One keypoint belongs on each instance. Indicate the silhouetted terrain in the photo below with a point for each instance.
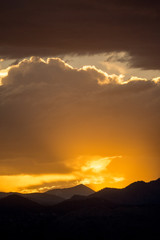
(15, 202)
(44, 198)
(54, 196)
(86, 217)
(69, 192)
(2, 194)
(136, 193)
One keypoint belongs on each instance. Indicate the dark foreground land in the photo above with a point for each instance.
(135, 214)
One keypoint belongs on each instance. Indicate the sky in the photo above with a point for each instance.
(79, 93)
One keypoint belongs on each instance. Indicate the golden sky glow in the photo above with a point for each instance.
(93, 172)
(96, 165)
(21, 182)
(63, 126)
(3, 73)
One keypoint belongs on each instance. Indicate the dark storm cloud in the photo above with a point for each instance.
(52, 113)
(47, 28)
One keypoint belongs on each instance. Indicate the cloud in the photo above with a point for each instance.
(33, 183)
(96, 165)
(52, 28)
(156, 80)
(52, 113)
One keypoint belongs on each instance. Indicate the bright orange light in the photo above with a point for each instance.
(21, 183)
(96, 165)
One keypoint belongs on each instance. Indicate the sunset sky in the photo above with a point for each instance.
(79, 93)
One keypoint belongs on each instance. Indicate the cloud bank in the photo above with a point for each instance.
(50, 28)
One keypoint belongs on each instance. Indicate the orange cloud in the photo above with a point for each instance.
(96, 165)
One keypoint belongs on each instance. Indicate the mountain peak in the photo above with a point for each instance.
(70, 192)
(17, 201)
(138, 192)
(136, 184)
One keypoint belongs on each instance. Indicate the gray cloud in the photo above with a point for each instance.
(49, 28)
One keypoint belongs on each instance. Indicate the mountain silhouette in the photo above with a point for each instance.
(129, 213)
(67, 193)
(136, 193)
(83, 205)
(3, 194)
(54, 196)
(44, 198)
(18, 203)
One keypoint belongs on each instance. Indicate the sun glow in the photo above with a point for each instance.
(21, 183)
(3, 73)
(97, 165)
(88, 170)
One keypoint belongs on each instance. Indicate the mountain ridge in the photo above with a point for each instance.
(67, 193)
(139, 192)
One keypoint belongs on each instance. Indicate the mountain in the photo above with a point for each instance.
(3, 194)
(44, 198)
(85, 217)
(82, 206)
(70, 192)
(53, 196)
(136, 193)
(16, 202)
(41, 198)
